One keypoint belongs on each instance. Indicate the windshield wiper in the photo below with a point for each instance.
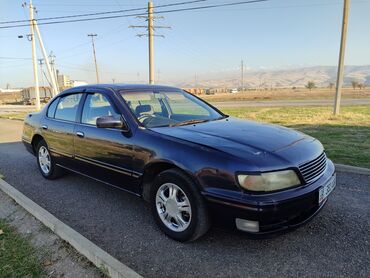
(221, 118)
(188, 122)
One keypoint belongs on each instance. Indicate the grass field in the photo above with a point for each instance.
(346, 138)
(17, 256)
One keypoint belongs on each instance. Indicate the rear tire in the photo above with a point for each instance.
(177, 206)
(46, 162)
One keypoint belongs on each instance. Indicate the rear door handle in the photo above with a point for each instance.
(45, 127)
(80, 134)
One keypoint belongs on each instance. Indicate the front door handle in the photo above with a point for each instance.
(44, 127)
(80, 134)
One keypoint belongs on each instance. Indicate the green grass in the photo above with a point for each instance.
(17, 256)
(346, 137)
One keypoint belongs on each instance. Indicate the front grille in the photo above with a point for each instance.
(313, 169)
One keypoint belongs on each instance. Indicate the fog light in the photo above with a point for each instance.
(247, 225)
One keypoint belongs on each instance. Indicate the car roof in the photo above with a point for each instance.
(118, 87)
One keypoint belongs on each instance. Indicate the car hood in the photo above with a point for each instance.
(242, 137)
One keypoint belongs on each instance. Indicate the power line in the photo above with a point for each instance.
(141, 14)
(102, 13)
(14, 58)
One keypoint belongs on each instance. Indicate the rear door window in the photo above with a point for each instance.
(96, 106)
(67, 107)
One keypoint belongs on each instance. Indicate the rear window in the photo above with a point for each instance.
(52, 108)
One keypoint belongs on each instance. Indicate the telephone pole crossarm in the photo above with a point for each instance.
(150, 29)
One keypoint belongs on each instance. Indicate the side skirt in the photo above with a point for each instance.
(107, 183)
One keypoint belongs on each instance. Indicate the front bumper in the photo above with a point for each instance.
(274, 212)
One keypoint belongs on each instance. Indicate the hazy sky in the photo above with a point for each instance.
(268, 35)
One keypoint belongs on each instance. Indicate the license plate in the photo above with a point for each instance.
(327, 189)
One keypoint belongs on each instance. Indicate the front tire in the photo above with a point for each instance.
(177, 206)
(46, 162)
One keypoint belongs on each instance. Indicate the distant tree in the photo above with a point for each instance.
(354, 84)
(331, 85)
(310, 85)
(361, 86)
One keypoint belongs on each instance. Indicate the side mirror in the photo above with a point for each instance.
(111, 122)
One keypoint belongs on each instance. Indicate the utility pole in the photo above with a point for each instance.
(51, 74)
(53, 69)
(34, 61)
(151, 42)
(150, 28)
(41, 62)
(96, 65)
(338, 92)
(242, 75)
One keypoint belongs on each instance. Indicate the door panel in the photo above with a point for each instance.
(59, 136)
(58, 128)
(103, 153)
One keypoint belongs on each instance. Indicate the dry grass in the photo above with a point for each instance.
(14, 116)
(349, 116)
(288, 94)
(10, 98)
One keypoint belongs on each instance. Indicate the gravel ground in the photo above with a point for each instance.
(334, 244)
(57, 257)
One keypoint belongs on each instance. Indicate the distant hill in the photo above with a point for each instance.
(298, 77)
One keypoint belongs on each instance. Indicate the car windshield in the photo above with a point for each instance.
(164, 109)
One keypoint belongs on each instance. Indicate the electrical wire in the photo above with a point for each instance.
(102, 13)
(14, 58)
(141, 14)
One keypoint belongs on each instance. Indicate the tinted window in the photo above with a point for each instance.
(137, 99)
(52, 108)
(67, 107)
(96, 105)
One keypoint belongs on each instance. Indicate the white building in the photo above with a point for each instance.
(75, 83)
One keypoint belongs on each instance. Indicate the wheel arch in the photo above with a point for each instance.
(36, 139)
(155, 168)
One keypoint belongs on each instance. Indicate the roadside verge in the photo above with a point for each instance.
(92, 252)
(352, 169)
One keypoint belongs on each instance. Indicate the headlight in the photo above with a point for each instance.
(269, 181)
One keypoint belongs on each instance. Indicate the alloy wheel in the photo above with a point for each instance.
(173, 207)
(44, 160)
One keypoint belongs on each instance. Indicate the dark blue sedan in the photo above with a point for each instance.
(192, 163)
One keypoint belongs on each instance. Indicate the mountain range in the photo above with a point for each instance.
(322, 76)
